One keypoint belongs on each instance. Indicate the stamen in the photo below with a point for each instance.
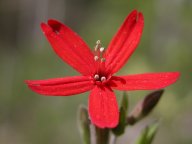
(96, 47)
(103, 78)
(98, 42)
(96, 58)
(102, 49)
(96, 77)
(99, 57)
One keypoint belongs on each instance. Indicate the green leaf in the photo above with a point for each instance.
(148, 134)
(143, 137)
(119, 130)
(124, 102)
(84, 125)
(151, 133)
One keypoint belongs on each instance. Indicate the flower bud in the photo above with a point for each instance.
(144, 107)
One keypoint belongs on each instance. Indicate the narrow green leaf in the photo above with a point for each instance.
(143, 137)
(152, 132)
(148, 134)
(84, 125)
(125, 102)
(119, 130)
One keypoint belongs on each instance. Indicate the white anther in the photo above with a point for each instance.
(102, 49)
(96, 77)
(96, 58)
(102, 59)
(98, 42)
(96, 47)
(103, 78)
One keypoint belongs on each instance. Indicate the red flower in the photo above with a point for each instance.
(98, 69)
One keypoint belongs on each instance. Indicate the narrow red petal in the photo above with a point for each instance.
(61, 86)
(125, 42)
(69, 46)
(103, 108)
(122, 34)
(57, 81)
(149, 81)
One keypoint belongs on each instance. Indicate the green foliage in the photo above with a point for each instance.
(148, 134)
(119, 130)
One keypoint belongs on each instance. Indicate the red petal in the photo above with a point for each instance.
(61, 86)
(103, 108)
(149, 81)
(124, 42)
(69, 46)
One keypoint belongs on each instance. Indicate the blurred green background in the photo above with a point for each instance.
(166, 45)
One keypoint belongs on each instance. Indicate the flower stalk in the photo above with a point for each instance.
(102, 135)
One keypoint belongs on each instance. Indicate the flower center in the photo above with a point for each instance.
(100, 78)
